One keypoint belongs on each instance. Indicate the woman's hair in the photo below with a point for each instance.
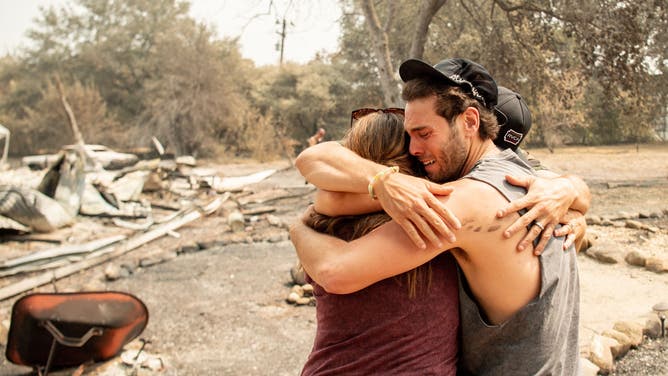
(379, 137)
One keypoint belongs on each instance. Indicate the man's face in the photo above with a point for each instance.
(440, 148)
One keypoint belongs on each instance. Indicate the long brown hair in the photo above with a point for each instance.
(379, 137)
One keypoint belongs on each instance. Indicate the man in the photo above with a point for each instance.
(519, 313)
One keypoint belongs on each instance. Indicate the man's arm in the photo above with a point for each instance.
(410, 201)
(344, 267)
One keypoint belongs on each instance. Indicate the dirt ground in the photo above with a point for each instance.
(223, 310)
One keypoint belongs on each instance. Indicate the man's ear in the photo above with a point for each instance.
(471, 121)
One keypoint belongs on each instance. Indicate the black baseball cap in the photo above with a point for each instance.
(466, 74)
(514, 119)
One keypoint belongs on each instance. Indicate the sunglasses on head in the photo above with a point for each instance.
(361, 112)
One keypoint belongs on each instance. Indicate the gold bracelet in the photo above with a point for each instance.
(377, 177)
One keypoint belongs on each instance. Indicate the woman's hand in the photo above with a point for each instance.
(548, 201)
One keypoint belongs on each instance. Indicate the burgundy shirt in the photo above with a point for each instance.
(380, 330)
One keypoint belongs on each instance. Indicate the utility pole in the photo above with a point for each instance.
(282, 43)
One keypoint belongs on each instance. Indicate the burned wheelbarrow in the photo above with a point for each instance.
(68, 329)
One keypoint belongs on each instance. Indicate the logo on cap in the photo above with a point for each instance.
(512, 137)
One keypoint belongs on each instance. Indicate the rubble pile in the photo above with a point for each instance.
(70, 213)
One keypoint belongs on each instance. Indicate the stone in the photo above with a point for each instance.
(293, 297)
(274, 220)
(587, 368)
(656, 214)
(112, 272)
(656, 264)
(605, 254)
(632, 330)
(637, 225)
(636, 258)
(298, 289)
(623, 342)
(593, 220)
(607, 222)
(600, 353)
(624, 215)
(652, 328)
(303, 301)
(644, 214)
(308, 289)
(298, 275)
(189, 248)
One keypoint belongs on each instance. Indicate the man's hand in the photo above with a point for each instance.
(411, 202)
(548, 200)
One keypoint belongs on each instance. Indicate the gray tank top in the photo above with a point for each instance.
(541, 338)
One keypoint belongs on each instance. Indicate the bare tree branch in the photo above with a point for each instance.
(78, 138)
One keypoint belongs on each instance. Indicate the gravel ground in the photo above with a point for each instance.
(650, 359)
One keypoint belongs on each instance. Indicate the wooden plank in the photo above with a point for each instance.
(68, 250)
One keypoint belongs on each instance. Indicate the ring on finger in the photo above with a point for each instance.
(539, 226)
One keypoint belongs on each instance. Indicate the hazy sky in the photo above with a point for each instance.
(312, 25)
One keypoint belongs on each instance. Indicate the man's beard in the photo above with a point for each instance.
(451, 160)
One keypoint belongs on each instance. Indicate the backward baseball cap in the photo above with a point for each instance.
(514, 119)
(472, 77)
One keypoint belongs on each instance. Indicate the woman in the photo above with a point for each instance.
(375, 330)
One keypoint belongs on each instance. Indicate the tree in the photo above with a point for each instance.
(155, 70)
(525, 45)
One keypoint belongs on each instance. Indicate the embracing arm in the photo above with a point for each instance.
(333, 167)
(333, 203)
(410, 201)
(548, 199)
(344, 267)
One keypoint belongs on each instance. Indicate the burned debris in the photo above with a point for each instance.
(75, 214)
